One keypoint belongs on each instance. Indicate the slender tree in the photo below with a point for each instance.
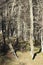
(42, 32)
(31, 29)
(18, 20)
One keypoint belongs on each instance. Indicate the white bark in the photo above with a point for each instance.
(11, 49)
(18, 21)
(12, 10)
(42, 34)
(31, 29)
(25, 28)
(41, 42)
(42, 27)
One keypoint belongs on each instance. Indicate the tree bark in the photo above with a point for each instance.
(31, 29)
(41, 42)
(18, 22)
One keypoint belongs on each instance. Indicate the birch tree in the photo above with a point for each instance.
(41, 9)
(18, 20)
(10, 44)
(31, 29)
(42, 34)
(25, 31)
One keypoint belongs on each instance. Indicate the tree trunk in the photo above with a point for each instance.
(25, 28)
(12, 10)
(42, 35)
(31, 29)
(12, 50)
(41, 42)
(18, 22)
(41, 4)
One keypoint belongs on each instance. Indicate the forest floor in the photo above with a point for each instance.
(24, 58)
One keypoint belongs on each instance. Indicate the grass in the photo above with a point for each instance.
(24, 58)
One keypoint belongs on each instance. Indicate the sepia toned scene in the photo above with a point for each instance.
(21, 32)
